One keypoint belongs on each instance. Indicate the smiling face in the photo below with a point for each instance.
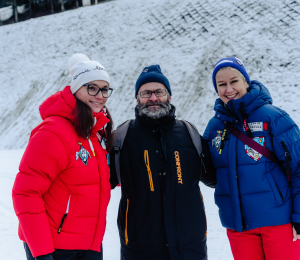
(230, 84)
(153, 106)
(96, 103)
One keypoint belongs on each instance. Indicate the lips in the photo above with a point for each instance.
(232, 96)
(95, 103)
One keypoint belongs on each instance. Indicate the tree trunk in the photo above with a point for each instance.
(96, 2)
(62, 5)
(30, 9)
(52, 7)
(15, 10)
(77, 4)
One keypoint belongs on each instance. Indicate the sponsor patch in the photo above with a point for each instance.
(216, 142)
(255, 126)
(83, 154)
(252, 153)
(178, 166)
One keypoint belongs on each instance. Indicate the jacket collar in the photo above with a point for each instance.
(238, 109)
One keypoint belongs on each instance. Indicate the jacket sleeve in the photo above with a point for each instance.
(44, 158)
(113, 174)
(208, 170)
(284, 129)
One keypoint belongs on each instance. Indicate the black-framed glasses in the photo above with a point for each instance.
(148, 93)
(93, 90)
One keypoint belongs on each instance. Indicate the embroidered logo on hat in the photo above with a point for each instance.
(239, 61)
(145, 70)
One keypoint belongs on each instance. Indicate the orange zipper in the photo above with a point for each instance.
(146, 158)
(126, 235)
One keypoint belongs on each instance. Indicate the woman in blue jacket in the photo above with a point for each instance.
(258, 198)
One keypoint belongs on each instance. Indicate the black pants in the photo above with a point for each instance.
(60, 254)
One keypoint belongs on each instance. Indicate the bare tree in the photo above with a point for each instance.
(15, 10)
(62, 5)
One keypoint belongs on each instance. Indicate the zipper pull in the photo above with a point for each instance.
(61, 223)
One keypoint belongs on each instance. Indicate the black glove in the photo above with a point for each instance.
(297, 227)
(45, 257)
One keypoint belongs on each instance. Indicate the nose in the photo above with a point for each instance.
(229, 88)
(99, 95)
(153, 98)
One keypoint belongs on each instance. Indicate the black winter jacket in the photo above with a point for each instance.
(161, 212)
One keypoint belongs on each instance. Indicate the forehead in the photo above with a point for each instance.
(228, 73)
(99, 83)
(152, 86)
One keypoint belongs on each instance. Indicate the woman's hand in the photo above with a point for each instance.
(296, 231)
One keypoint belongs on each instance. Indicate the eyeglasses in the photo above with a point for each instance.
(148, 93)
(93, 90)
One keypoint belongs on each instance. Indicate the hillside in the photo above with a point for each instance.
(185, 37)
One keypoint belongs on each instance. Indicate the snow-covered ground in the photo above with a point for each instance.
(12, 247)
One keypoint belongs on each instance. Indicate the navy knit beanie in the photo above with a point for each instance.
(152, 74)
(230, 62)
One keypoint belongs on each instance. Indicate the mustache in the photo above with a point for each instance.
(156, 103)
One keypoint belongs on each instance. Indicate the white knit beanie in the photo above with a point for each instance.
(83, 70)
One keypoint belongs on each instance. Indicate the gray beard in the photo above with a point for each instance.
(154, 113)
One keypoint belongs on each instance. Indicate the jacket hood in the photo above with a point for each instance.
(256, 96)
(60, 104)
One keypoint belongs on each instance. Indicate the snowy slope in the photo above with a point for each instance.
(185, 37)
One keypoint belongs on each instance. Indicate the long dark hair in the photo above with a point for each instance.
(84, 121)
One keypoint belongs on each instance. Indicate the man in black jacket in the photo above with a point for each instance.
(161, 213)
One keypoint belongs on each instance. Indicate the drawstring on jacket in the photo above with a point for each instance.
(245, 123)
(90, 142)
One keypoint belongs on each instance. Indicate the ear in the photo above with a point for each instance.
(170, 97)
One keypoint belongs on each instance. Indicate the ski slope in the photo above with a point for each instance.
(185, 37)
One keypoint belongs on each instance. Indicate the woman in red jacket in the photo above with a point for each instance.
(62, 191)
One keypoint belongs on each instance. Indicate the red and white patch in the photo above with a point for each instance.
(251, 152)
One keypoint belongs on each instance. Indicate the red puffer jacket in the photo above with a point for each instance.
(59, 174)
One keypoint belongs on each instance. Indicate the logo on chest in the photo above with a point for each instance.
(216, 142)
(256, 127)
(82, 154)
(251, 152)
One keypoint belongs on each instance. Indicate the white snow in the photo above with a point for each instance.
(185, 37)
(12, 247)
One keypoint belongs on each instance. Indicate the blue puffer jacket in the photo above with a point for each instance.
(253, 191)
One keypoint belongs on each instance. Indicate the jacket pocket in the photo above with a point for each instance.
(277, 194)
(64, 216)
(126, 235)
(146, 158)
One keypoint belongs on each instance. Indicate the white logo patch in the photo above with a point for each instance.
(255, 126)
(145, 70)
